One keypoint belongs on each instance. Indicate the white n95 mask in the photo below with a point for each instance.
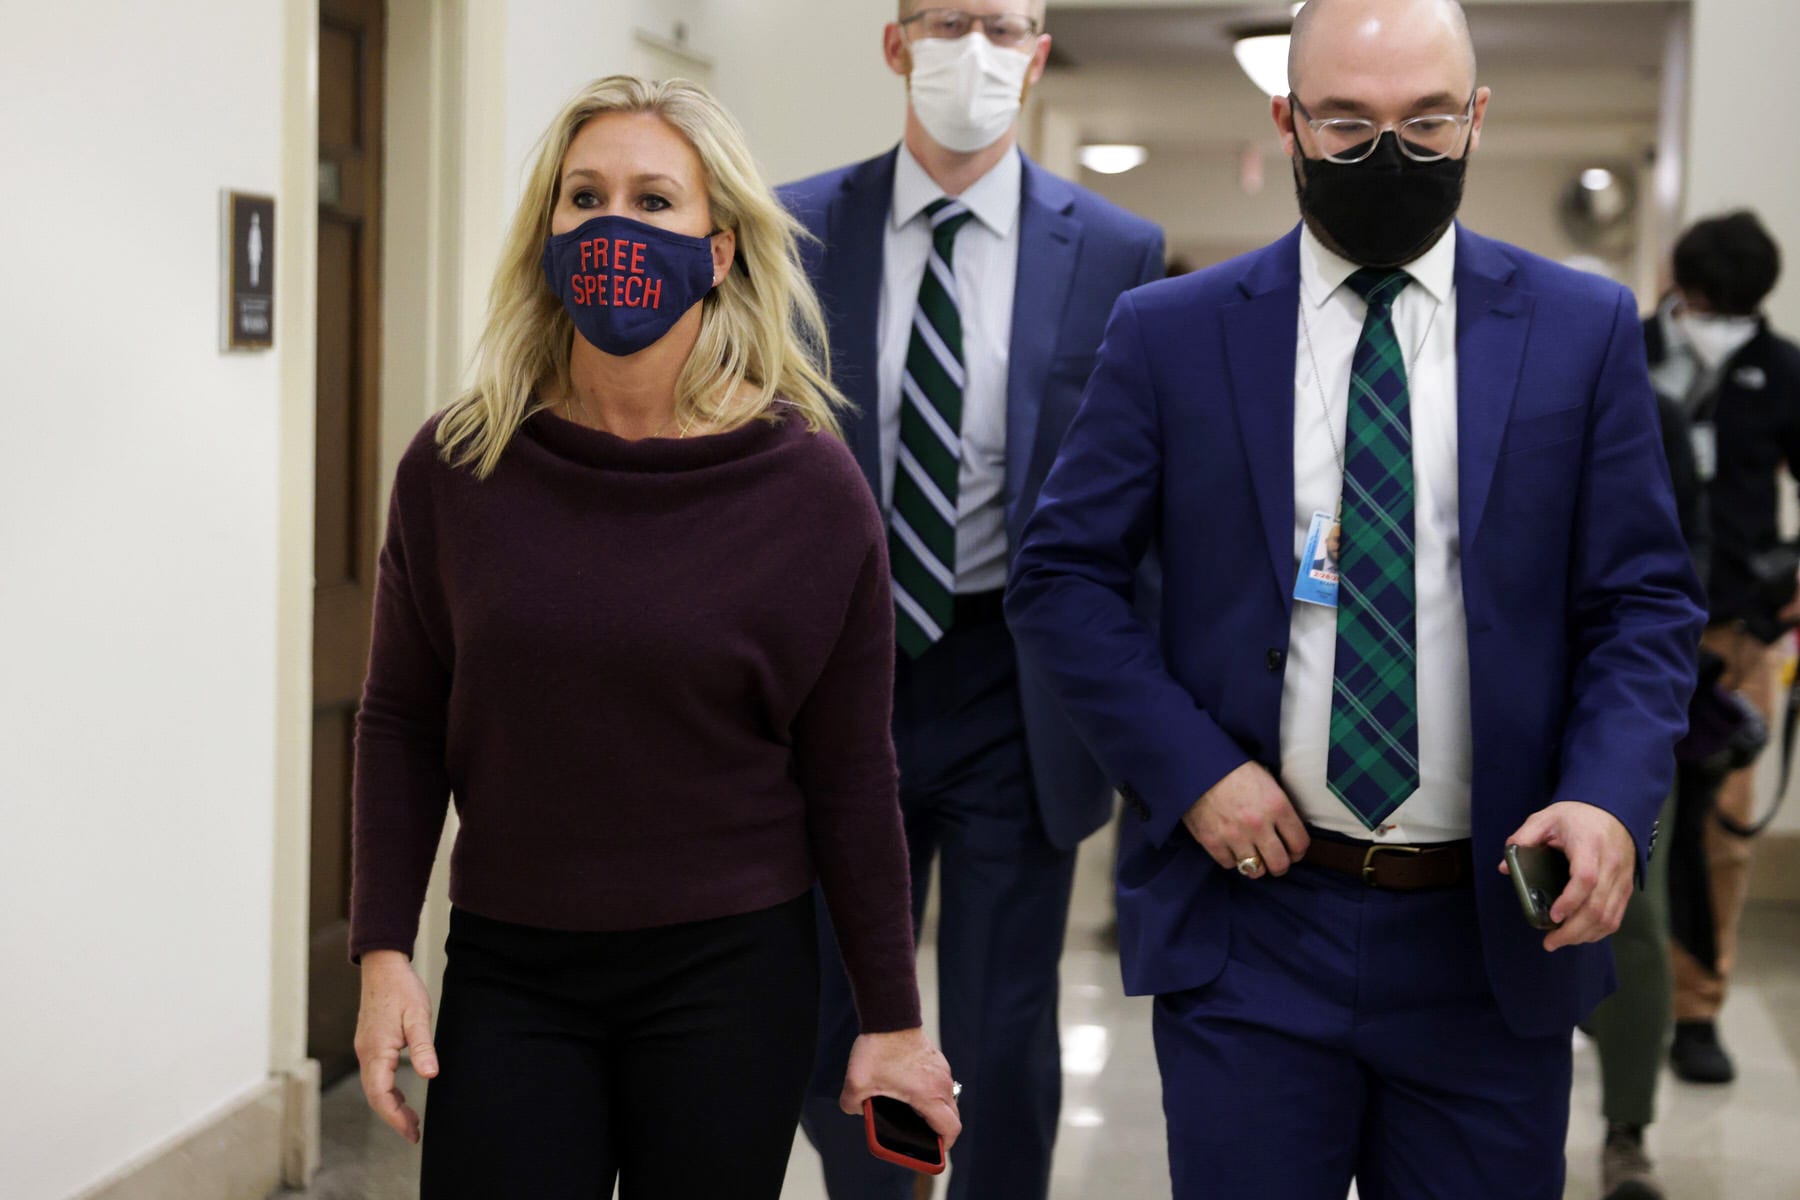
(1715, 339)
(967, 92)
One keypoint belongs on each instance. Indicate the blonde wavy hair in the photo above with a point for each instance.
(761, 329)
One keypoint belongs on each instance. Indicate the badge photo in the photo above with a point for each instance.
(1318, 581)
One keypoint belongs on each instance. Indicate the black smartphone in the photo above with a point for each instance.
(1539, 875)
(898, 1134)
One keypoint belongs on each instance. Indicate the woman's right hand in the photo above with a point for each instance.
(395, 1014)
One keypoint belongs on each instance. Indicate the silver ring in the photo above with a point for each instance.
(1250, 865)
(955, 1090)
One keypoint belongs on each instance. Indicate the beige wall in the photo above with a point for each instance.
(805, 79)
(1743, 88)
(138, 532)
(553, 47)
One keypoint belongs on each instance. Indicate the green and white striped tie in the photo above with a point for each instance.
(922, 524)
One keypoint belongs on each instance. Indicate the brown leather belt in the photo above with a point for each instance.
(1394, 868)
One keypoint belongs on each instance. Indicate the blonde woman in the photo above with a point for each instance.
(634, 613)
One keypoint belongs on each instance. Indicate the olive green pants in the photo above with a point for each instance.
(1632, 1027)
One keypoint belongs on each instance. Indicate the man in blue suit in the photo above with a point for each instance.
(1327, 764)
(967, 290)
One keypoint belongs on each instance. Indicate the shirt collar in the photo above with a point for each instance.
(994, 198)
(1323, 272)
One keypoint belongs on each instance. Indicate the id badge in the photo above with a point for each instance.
(1705, 439)
(1318, 582)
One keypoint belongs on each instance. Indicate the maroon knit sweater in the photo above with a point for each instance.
(657, 677)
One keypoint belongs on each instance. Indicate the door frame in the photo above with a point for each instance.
(445, 129)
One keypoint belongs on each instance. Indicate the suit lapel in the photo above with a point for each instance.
(1049, 243)
(1493, 322)
(850, 286)
(1260, 342)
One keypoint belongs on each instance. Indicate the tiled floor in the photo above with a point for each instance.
(1736, 1143)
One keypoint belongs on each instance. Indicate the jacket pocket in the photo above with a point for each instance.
(1534, 433)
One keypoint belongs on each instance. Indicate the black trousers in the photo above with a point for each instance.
(671, 1060)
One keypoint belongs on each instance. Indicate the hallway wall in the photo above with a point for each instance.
(853, 107)
(137, 595)
(809, 83)
(1742, 81)
(554, 47)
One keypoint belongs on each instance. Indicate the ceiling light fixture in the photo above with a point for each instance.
(1263, 55)
(1111, 159)
(1262, 51)
(1596, 179)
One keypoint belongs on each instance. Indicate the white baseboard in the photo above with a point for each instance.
(268, 1140)
(300, 1128)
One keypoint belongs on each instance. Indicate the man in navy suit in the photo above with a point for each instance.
(967, 290)
(1327, 771)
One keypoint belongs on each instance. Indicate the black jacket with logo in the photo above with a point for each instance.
(1756, 413)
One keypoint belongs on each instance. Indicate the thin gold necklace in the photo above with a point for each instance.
(578, 415)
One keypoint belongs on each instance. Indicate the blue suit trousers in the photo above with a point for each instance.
(966, 792)
(1353, 1034)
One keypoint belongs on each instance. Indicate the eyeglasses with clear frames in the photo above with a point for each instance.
(1422, 139)
(1010, 31)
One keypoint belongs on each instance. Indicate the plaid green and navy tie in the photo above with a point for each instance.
(922, 524)
(1374, 760)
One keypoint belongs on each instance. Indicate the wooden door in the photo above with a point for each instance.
(351, 38)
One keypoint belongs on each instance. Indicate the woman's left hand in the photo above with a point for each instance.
(906, 1066)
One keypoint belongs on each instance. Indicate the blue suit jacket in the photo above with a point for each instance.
(1077, 255)
(1583, 612)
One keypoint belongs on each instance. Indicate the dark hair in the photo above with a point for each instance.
(1729, 261)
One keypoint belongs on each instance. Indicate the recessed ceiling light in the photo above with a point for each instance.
(1596, 179)
(1263, 54)
(1111, 159)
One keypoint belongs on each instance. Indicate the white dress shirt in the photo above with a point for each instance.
(1425, 324)
(986, 262)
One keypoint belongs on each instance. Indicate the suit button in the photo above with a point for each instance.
(1275, 659)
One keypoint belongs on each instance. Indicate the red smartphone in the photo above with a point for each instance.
(899, 1135)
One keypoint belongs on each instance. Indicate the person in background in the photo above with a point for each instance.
(1631, 1027)
(967, 289)
(587, 629)
(1326, 774)
(1713, 354)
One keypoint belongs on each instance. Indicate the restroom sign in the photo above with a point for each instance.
(249, 260)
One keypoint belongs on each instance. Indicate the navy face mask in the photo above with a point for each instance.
(625, 283)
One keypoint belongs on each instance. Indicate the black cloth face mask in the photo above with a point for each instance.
(1384, 211)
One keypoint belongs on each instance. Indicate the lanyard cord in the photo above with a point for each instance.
(1325, 404)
